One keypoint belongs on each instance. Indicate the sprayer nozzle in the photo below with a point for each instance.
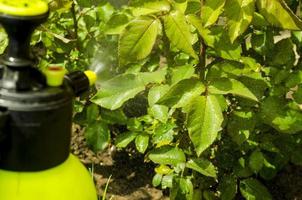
(92, 77)
(55, 76)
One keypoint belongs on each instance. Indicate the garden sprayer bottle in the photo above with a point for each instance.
(36, 116)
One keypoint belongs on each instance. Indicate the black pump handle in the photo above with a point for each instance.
(19, 30)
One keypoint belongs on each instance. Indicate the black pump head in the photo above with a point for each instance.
(19, 30)
(19, 19)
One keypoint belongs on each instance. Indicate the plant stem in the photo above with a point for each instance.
(201, 5)
(75, 22)
(201, 67)
(166, 46)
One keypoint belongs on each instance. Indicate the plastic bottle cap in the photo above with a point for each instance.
(55, 76)
(92, 77)
(23, 7)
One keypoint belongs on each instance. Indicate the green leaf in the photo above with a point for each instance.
(167, 181)
(138, 39)
(92, 113)
(228, 188)
(240, 14)
(153, 77)
(204, 119)
(86, 3)
(118, 90)
(277, 13)
(259, 21)
(124, 139)
(178, 32)
(211, 11)
(115, 92)
(156, 93)
(202, 166)
(160, 112)
(180, 94)
(151, 7)
(163, 134)
(252, 189)
(276, 113)
(298, 95)
(167, 155)
(181, 5)
(182, 189)
(217, 38)
(157, 180)
(193, 7)
(116, 24)
(263, 42)
(97, 136)
(296, 37)
(231, 86)
(209, 195)
(113, 117)
(241, 169)
(256, 161)
(294, 80)
(181, 73)
(142, 142)
(135, 125)
(241, 125)
(282, 54)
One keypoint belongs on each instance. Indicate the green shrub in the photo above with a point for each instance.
(208, 90)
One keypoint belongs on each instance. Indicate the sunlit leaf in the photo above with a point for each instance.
(182, 189)
(167, 155)
(217, 38)
(181, 73)
(180, 94)
(116, 24)
(138, 39)
(240, 14)
(156, 93)
(150, 7)
(160, 112)
(204, 119)
(211, 11)
(124, 139)
(142, 142)
(202, 166)
(277, 13)
(178, 32)
(231, 86)
(115, 92)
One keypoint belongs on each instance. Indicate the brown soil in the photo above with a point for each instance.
(287, 185)
(130, 177)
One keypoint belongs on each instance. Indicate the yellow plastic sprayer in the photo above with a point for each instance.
(36, 116)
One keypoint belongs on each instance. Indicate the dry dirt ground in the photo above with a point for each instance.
(130, 177)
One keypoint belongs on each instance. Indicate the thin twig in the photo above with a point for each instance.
(201, 67)
(75, 22)
(202, 59)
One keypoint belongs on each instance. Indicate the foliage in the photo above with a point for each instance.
(209, 90)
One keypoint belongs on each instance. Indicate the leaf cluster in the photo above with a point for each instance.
(209, 91)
